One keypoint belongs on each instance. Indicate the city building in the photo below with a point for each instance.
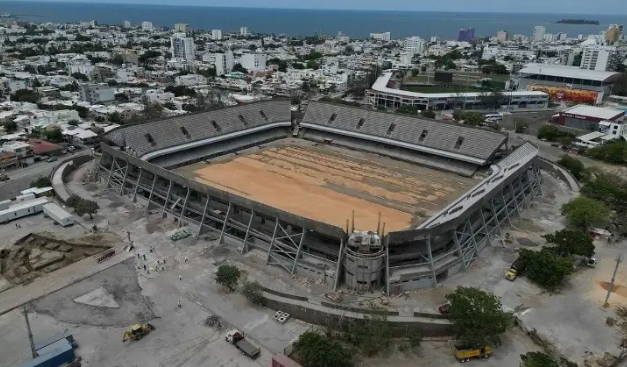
(538, 33)
(223, 62)
(601, 58)
(613, 33)
(466, 35)
(382, 94)
(190, 80)
(502, 36)
(96, 93)
(567, 83)
(243, 31)
(126, 24)
(385, 36)
(216, 34)
(414, 45)
(182, 47)
(589, 118)
(181, 27)
(147, 26)
(254, 61)
(562, 36)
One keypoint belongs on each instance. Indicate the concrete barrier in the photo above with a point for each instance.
(61, 172)
(561, 172)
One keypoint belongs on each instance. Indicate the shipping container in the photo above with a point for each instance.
(5, 204)
(54, 355)
(26, 197)
(53, 339)
(59, 215)
(23, 209)
(39, 191)
(281, 360)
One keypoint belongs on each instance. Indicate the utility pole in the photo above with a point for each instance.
(30, 333)
(618, 260)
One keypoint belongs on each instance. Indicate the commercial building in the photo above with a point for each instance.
(254, 61)
(600, 58)
(414, 45)
(96, 93)
(567, 83)
(466, 35)
(216, 34)
(223, 62)
(182, 47)
(613, 33)
(147, 26)
(502, 36)
(538, 33)
(243, 31)
(181, 27)
(589, 118)
(381, 94)
(385, 36)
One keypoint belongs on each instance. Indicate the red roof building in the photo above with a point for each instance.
(43, 147)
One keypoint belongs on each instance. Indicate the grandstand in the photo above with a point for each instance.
(140, 162)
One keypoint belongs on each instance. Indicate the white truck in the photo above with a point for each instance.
(59, 215)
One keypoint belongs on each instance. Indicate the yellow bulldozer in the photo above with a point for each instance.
(137, 332)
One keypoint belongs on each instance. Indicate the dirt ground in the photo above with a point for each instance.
(327, 184)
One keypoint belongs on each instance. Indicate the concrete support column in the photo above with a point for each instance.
(226, 221)
(435, 281)
(113, 164)
(338, 268)
(250, 222)
(300, 246)
(167, 199)
(139, 179)
(124, 179)
(152, 190)
(459, 249)
(202, 217)
(184, 206)
(276, 227)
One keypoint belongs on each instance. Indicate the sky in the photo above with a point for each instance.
(585, 7)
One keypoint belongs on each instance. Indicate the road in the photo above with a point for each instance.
(21, 178)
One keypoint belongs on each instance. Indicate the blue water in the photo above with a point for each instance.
(356, 24)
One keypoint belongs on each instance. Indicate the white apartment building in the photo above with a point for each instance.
(190, 80)
(562, 36)
(96, 93)
(254, 61)
(147, 26)
(385, 36)
(82, 67)
(414, 45)
(126, 24)
(600, 58)
(181, 27)
(538, 33)
(243, 31)
(182, 47)
(216, 34)
(223, 62)
(502, 36)
(514, 52)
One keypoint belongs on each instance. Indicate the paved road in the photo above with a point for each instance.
(21, 179)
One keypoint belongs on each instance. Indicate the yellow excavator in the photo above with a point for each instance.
(137, 332)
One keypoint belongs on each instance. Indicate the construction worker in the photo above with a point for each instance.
(180, 277)
(144, 256)
(179, 303)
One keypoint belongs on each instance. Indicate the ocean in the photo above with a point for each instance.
(357, 24)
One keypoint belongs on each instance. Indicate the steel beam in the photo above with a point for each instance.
(250, 222)
(139, 179)
(110, 172)
(124, 179)
(184, 206)
(202, 217)
(167, 198)
(435, 281)
(300, 245)
(226, 221)
(152, 189)
(276, 227)
(461, 253)
(338, 268)
(387, 266)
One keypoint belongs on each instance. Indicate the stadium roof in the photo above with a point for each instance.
(567, 72)
(381, 85)
(596, 112)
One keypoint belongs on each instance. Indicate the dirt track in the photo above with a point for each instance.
(328, 184)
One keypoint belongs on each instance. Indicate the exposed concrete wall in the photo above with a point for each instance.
(62, 171)
(561, 172)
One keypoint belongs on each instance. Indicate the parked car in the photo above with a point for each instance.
(51, 159)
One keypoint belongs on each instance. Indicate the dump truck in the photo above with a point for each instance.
(238, 339)
(515, 270)
(136, 332)
(464, 353)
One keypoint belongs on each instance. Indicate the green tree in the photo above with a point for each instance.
(428, 114)
(584, 211)
(170, 106)
(546, 268)
(73, 201)
(238, 67)
(319, 351)
(253, 292)
(537, 359)
(40, 182)
(115, 117)
(569, 243)
(312, 64)
(477, 316)
(88, 207)
(407, 109)
(473, 118)
(620, 86)
(228, 276)
(612, 152)
(53, 134)
(573, 165)
(80, 76)
(493, 100)
(372, 334)
(549, 132)
(521, 127)
(608, 188)
(10, 127)
(25, 95)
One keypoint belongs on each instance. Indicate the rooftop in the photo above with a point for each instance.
(568, 72)
(596, 112)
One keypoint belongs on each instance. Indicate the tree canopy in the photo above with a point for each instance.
(41, 181)
(473, 118)
(477, 316)
(584, 211)
(84, 206)
(546, 268)
(612, 152)
(9, 127)
(551, 132)
(571, 243)
(537, 359)
(372, 334)
(573, 165)
(25, 95)
(228, 276)
(253, 292)
(53, 134)
(319, 351)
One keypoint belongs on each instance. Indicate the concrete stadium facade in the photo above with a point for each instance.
(444, 245)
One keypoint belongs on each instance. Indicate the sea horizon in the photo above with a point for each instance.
(302, 22)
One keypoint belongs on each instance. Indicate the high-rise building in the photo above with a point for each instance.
(216, 34)
(182, 47)
(126, 24)
(181, 27)
(243, 31)
(600, 58)
(254, 61)
(466, 35)
(502, 36)
(147, 26)
(384, 36)
(613, 33)
(414, 46)
(562, 36)
(538, 33)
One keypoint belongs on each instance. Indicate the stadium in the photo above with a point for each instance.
(350, 197)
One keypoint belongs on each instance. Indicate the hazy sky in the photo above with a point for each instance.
(510, 6)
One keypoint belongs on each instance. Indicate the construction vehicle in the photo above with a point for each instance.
(515, 270)
(136, 332)
(465, 353)
(238, 339)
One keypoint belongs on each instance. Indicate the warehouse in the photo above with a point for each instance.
(588, 118)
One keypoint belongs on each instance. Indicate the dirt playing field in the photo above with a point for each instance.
(327, 184)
